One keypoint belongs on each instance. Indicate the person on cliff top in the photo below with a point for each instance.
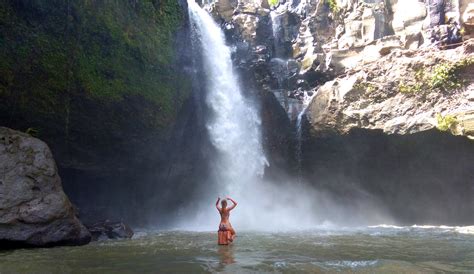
(224, 225)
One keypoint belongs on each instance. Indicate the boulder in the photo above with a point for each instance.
(246, 25)
(34, 211)
(468, 19)
(110, 230)
(224, 9)
(408, 16)
(468, 15)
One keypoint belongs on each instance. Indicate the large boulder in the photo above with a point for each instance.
(34, 211)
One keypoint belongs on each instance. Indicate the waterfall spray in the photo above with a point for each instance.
(234, 128)
(234, 125)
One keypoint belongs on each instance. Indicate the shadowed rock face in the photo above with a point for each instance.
(422, 178)
(107, 86)
(34, 211)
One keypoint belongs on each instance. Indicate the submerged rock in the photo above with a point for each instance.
(34, 211)
(110, 230)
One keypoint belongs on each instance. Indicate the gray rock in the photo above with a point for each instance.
(34, 211)
(110, 230)
(375, 96)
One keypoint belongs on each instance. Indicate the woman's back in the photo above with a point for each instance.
(225, 214)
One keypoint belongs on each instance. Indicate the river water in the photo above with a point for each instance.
(360, 250)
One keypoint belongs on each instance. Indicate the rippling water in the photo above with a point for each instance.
(373, 249)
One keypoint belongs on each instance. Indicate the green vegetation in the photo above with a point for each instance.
(418, 86)
(445, 76)
(273, 2)
(332, 4)
(445, 123)
(365, 86)
(59, 58)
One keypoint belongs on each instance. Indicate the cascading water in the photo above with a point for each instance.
(299, 133)
(234, 128)
(235, 125)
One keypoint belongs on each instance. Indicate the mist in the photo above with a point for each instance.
(238, 167)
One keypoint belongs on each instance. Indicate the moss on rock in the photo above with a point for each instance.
(80, 71)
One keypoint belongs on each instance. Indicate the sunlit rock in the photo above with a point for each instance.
(397, 94)
(224, 9)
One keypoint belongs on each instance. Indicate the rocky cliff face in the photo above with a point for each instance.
(384, 82)
(107, 85)
(77, 72)
(380, 47)
(34, 211)
(403, 92)
(297, 45)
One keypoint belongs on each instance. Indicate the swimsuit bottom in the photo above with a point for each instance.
(223, 227)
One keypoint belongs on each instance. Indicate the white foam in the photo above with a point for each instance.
(445, 228)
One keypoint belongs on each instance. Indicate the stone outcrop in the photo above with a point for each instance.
(34, 211)
(110, 230)
(402, 93)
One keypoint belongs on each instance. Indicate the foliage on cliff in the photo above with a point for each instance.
(90, 67)
(103, 50)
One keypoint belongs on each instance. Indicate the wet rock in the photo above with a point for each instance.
(34, 211)
(110, 230)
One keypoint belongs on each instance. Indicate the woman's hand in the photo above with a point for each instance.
(217, 203)
(234, 203)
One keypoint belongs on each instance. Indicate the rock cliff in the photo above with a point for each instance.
(386, 84)
(107, 85)
(403, 92)
(371, 46)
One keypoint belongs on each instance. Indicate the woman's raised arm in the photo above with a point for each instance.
(217, 204)
(234, 203)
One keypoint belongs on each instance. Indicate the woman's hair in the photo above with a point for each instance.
(224, 203)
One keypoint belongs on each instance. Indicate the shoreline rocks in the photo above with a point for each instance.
(106, 230)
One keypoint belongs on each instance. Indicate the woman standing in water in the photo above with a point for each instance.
(226, 232)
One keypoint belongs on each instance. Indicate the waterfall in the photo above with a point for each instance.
(234, 126)
(299, 142)
(276, 30)
(299, 133)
